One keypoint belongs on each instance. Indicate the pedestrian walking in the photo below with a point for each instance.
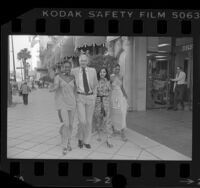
(58, 93)
(25, 90)
(67, 103)
(102, 106)
(179, 87)
(86, 82)
(119, 104)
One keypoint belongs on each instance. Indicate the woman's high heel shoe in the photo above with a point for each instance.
(124, 137)
(64, 151)
(69, 148)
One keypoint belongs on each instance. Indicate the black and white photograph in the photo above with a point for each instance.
(100, 97)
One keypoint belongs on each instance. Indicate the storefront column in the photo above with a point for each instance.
(128, 47)
(139, 73)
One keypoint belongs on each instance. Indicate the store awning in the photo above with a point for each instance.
(111, 38)
(81, 41)
(67, 49)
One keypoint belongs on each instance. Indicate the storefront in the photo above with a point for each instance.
(161, 66)
(148, 64)
(158, 72)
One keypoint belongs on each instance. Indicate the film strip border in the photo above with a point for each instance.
(64, 173)
(144, 22)
(91, 173)
(137, 27)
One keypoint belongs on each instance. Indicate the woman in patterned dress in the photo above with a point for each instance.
(119, 104)
(66, 83)
(102, 106)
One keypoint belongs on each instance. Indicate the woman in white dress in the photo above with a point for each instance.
(66, 83)
(119, 104)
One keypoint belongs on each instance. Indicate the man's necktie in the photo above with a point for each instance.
(85, 81)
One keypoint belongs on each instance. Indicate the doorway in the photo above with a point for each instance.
(157, 81)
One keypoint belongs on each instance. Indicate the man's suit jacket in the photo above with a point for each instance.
(92, 80)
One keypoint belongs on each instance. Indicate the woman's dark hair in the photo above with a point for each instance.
(117, 65)
(107, 74)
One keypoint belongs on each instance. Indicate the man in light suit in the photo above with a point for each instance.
(86, 83)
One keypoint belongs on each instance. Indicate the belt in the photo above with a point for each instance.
(101, 96)
(180, 84)
(81, 93)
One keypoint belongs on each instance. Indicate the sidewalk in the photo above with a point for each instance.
(171, 128)
(33, 133)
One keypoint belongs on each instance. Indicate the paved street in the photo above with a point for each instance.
(33, 132)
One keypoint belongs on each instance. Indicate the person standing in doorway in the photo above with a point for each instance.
(179, 87)
(25, 90)
(86, 82)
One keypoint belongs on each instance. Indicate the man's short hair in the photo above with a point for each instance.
(179, 67)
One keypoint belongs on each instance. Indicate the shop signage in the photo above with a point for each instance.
(184, 48)
(187, 47)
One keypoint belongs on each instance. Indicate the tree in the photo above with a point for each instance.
(23, 55)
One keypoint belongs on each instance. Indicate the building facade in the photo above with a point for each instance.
(147, 64)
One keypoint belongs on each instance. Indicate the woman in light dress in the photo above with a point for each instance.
(58, 95)
(119, 104)
(66, 83)
(102, 106)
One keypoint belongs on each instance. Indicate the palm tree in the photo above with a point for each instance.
(23, 55)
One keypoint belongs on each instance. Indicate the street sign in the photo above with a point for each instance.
(19, 67)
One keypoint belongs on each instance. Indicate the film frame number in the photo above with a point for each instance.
(185, 15)
(108, 180)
